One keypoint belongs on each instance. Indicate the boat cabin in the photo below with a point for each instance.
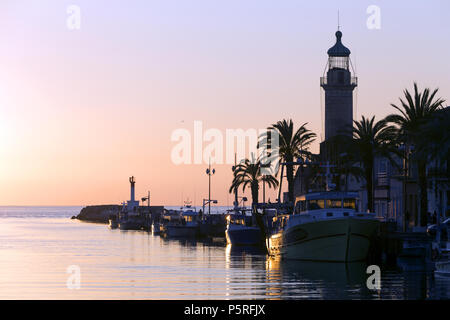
(325, 200)
(241, 217)
(190, 215)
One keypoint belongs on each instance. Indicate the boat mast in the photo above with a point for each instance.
(328, 176)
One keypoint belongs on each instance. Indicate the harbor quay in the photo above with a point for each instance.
(387, 244)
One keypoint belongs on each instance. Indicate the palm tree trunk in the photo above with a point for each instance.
(369, 185)
(257, 216)
(254, 188)
(422, 168)
(290, 178)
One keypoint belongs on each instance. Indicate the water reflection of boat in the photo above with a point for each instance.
(350, 273)
(245, 257)
(236, 251)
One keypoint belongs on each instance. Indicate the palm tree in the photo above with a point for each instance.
(371, 139)
(248, 173)
(347, 165)
(434, 147)
(414, 113)
(292, 144)
(434, 141)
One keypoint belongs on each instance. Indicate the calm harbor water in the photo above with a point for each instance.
(38, 244)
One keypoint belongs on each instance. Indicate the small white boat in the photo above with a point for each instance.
(324, 234)
(442, 268)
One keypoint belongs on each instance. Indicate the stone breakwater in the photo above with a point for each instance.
(100, 213)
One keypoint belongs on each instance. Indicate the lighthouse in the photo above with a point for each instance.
(338, 85)
(132, 204)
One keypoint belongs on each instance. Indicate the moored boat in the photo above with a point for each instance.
(187, 226)
(212, 226)
(130, 223)
(242, 231)
(325, 226)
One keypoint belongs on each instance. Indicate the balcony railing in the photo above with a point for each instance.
(382, 180)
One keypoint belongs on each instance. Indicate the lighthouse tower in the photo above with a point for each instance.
(338, 85)
(132, 204)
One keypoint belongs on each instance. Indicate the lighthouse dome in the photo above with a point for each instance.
(338, 50)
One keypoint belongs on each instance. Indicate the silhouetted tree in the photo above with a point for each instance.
(248, 173)
(415, 111)
(292, 145)
(371, 139)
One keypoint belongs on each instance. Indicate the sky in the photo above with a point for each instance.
(83, 109)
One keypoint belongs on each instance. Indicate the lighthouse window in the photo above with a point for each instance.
(338, 62)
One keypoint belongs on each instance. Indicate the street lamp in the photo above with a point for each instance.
(209, 172)
(147, 198)
(208, 201)
(243, 201)
(234, 168)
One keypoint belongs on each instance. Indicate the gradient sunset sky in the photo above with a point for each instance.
(82, 110)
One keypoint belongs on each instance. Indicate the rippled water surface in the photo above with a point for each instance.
(38, 244)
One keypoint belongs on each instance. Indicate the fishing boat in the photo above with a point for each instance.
(129, 218)
(242, 231)
(213, 226)
(186, 226)
(325, 226)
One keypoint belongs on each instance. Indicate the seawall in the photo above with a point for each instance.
(100, 213)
